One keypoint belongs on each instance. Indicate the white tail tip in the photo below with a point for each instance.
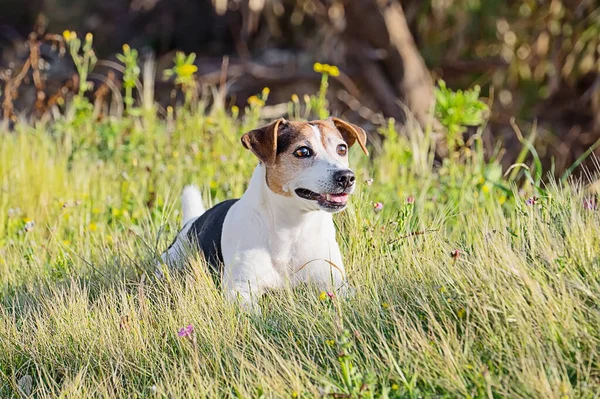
(191, 204)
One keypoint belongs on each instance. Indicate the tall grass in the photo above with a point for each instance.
(464, 288)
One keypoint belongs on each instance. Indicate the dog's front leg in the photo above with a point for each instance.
(244, 293)
(325, 276)
(247, 277)
(329, 273)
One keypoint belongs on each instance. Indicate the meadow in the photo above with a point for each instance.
(470, 282)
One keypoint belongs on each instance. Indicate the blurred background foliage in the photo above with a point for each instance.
(537, 61)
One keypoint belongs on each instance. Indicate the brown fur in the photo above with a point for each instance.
(352, 133)
(286, 165)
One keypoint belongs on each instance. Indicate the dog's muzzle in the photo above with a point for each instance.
(336, 198)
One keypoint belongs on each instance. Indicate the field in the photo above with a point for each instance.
(469, 282)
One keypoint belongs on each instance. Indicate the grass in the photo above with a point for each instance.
(463, 288)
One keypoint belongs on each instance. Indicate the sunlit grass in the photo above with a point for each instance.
(463, 288)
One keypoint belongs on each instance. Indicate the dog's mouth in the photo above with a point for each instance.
(327, 200)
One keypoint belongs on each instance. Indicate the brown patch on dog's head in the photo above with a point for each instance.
(292, 135)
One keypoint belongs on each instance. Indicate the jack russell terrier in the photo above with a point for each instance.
(281, 231)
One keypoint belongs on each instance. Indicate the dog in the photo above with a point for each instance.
(281, 231)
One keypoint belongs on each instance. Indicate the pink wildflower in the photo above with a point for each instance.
(531, 201)
(590, 204)
(378, 206)
(186, 331)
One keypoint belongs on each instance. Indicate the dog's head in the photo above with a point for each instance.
(308, 161)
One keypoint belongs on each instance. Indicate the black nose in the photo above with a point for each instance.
(345, 178)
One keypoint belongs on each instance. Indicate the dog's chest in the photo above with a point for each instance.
(291, 250)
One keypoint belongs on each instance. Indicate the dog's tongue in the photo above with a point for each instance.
(337, 198)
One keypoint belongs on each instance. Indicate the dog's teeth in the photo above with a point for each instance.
(328, 197)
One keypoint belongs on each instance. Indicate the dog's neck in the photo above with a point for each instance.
(283, 209)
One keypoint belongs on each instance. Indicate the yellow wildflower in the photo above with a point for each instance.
(265, 91)
(126, 48)
(461, 313)
(485, 188)
(334, 71)
(186, 70)
(502, 200)
(395, 387)
(67, 35)
(66, 242)
(330, 342)
(385, 305)
(89, 37)
(253, 100)
(93, 227)
(322, 296)
(295, 98)
(318, 67)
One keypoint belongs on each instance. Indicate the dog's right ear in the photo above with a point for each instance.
(263, 141)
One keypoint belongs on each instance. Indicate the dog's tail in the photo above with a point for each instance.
(191, 204)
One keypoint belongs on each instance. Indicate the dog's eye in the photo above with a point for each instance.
(342, 149)
(303, 152)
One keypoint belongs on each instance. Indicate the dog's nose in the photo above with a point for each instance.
(344, 178)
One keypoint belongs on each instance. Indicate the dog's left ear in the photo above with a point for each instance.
(263, 141)
(351, 133)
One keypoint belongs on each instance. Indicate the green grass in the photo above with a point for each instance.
(514, 313)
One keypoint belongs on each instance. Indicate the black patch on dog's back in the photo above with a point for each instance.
(206, 231)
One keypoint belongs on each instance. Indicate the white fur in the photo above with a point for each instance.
(191, 204)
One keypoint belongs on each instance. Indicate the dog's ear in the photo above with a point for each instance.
(351, 133)
(263, 141)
